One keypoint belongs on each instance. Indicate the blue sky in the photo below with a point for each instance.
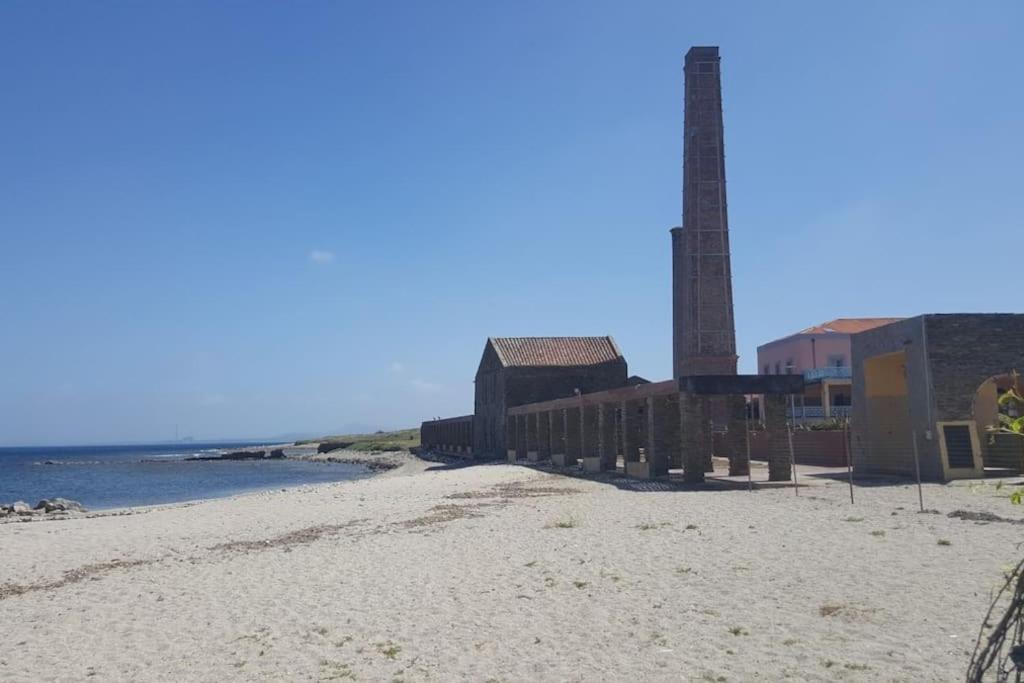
(250, 219)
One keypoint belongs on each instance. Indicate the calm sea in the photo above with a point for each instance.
(102, 477)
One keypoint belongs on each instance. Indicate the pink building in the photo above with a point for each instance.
(822, 355)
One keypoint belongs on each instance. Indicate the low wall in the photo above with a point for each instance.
(822, 448)
(449, 436)
(1004, 450)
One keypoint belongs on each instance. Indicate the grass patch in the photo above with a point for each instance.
(683, 570)
(580, 584)
(878, 533)
(570, 523)
(739, 631)
(400, 440)
(389, 649)
(854, 519)
(334, 671)
(944, 541)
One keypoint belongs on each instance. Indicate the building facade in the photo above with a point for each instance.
(925, 390)
(514, 371)
(822, 354)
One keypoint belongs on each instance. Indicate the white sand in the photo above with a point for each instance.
(370, 580)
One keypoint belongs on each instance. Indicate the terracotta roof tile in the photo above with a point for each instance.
(555, 351)
(848, 325)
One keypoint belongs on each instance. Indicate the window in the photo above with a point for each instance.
(789, 366)
(836, 360)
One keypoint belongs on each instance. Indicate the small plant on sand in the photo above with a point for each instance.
(830, 610)
(692, 527)
(683, 570)
(944, 541)
(389, 649)
(531, 563)
(569, 523)
(878, 533)
(790, 641)
(335, 671)
(580, 584)
(739, 631)
(854, 519)
(856, 667)
(650, 526)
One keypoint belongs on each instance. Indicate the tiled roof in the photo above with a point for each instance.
(535, 352)
(848, 325)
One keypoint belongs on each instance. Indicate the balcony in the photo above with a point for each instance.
(818, 374)
(817, 413)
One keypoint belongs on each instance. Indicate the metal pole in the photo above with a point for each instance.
(788, 433)
(846, 451)
(917, 468)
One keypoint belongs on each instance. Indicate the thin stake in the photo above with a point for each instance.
(846, 451)
(789, 434)
(917, 468)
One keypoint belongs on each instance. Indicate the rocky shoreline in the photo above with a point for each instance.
(45, 506)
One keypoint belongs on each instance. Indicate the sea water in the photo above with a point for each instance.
(103, 477)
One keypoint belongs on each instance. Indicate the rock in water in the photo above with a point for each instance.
(69, 505)
(276, 454)
(59, 505)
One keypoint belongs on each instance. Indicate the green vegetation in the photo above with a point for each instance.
(1011, 421)
(401, 440)
(569, 523)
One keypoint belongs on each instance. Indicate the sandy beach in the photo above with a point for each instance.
(504, 573)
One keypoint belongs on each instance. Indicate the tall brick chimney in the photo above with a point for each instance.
(703, 331)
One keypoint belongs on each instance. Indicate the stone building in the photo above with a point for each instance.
(517, 370)
(930, 383)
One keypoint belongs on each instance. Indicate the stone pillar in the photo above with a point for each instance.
(778, 437)
(557, 422)
(631, 431)
(521, 437)
(673, 441)
(511, 434)
(607, 443)
(695, 436)
(590, 438)
(532, 436)
(573, 441)
(736, 437)
(544, 435)
(660, 428)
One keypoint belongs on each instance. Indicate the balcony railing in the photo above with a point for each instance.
(816, 374)
(817, 412)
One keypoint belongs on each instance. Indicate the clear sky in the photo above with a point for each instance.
(250, 219)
